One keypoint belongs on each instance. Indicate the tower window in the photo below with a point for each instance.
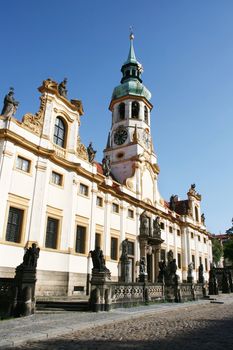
(146, 114)
(59, 132)
(196, 214)
(127, 73)
(122, 111)
(135, 110)
(133, 72)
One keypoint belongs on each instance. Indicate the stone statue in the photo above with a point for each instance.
(106, 165)
(203, 218)
(156, 227)
(173, 202)
(162, 269)
(190, 270)
(142, 266)
(31, 256)
(170, 256)
(10, 105)
(193, 186)
(200, 274)
(62, 88)
(125, 246)
(98, 259)
(144, 224)
(91, 153)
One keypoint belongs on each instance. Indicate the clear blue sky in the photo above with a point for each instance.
(186, 48)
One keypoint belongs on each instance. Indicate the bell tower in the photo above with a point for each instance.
(130, 136)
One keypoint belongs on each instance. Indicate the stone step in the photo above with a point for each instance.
(62, 305)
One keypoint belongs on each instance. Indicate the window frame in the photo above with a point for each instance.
(101, 201)
(115, 256)
(83, 186)
(117, 206)
(11, 211)
(61, 184)
(51, 218)
(131, 216)
(83, 240)
(56, 131)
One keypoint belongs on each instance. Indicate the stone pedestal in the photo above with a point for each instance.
(24, 299)
(100, 297)
(125, 271)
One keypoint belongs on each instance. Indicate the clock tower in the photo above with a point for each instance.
(129, 143)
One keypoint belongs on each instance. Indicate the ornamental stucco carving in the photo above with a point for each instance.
(81, 149)
(34, 122)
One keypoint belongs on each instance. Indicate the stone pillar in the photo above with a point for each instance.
(6, 166)
(106, 235)
(157, 255)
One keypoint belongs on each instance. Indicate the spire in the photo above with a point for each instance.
(131, 56)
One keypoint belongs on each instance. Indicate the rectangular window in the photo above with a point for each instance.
(80, 239)
(130, 248)
(14, 225)
(162, 255)
(206, 264)
(114, 248)
(193, 261)
(205, 240)
(115, 208)
(170, 229)
(97, 240)
(99, 201)
(51, 233)
(192, 235)
(200, 260)
(56, 178)
(23, 164)
(83, 189)
(178, 232)
(179, 260)
(130, 213)
(199, 238)
(162, 225)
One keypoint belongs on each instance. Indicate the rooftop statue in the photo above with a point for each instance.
(91, 153)
(62, 88)
(10, 105)
(106, 164)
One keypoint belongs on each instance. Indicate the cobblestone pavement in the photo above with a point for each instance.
(204, 326)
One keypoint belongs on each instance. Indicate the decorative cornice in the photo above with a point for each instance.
(34, 122)
(51, 86)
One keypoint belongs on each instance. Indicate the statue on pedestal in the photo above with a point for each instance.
(91, 153)
(10, 105)
(62, 88)
(200, 274)
(106, 165)
(144, 224)
(31, 256)
(156, 227)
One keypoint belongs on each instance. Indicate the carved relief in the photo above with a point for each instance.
(34, 122)
(81, 149)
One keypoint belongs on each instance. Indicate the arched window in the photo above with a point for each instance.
(59, 132)
(146, 114)
(122, 111)
(135, 110)
(196, 214)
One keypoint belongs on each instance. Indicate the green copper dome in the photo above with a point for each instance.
(131, 82)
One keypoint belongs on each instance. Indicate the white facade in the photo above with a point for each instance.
(51, 190)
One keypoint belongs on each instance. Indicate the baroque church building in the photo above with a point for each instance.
(53, 193)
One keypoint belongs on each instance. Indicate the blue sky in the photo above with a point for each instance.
(186, 48)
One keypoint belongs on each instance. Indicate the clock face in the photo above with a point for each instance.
(120, 135)
(146, 138)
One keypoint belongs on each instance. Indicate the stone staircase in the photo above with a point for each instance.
(60, 304)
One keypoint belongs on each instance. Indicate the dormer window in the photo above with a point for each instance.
(135, 110)
(146, 114)
(122, 111)
(59, 132)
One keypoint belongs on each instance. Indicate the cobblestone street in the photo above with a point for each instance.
(207, 326)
